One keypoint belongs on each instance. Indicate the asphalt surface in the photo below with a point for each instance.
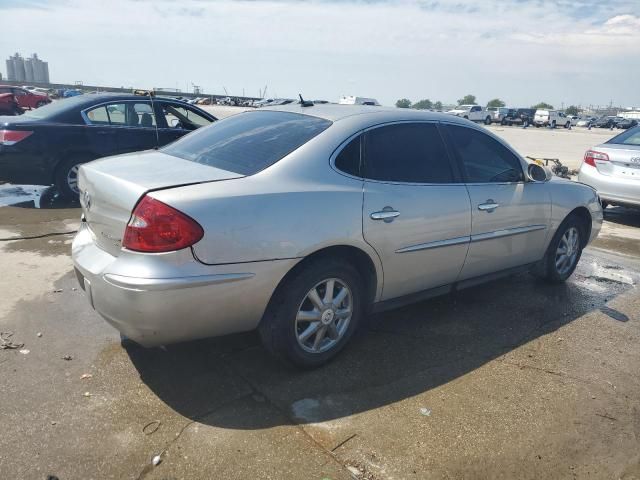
(511, 379)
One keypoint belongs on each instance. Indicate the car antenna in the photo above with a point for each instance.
(305, 103)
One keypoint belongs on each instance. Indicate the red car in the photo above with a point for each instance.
(26, 99)
(9, 105)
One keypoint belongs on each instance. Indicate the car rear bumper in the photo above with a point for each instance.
(617, 190)
(158, 299)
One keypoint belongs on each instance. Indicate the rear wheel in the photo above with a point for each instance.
(564, 251)
(66, 177)
(314, 313)
(567, 125)
(487, 121)
(553, 124)
(40, 104)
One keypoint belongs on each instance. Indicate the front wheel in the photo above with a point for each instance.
(314, 313)
(40, 104)
(564, 251)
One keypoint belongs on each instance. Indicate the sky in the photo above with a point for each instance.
(583, 52)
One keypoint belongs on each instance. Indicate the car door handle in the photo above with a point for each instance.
(386, 215)
(489, 206)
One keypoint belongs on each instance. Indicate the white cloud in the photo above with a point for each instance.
(519, 50)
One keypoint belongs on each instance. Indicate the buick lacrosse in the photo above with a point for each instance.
(300, 220)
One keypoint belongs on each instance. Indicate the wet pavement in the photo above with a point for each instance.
(512, 379)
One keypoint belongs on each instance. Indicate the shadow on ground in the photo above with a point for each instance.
(402, 353)
(623, 216)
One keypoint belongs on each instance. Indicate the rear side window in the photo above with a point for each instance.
(484, 159)
(406, 152)
(348, 160)
(630, 137)
(248, 142)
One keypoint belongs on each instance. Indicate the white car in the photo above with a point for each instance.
(475, 113)
(498, 114)
(351, 100)
(551, 118)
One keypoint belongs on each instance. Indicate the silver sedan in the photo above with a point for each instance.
(613, 169)
(301, 220)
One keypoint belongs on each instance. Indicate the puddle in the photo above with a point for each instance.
(33, 196)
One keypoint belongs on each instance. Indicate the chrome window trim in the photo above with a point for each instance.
(387, 182)
(83, 113)
(338, 151)
(523, 162)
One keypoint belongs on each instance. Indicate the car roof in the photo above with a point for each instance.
(335, 112)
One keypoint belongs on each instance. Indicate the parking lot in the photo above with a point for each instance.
(512, 379)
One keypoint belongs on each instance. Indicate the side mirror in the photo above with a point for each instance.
(538, 173)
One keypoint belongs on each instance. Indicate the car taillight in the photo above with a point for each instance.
(591, 156)
(11, 137)
(156, 227)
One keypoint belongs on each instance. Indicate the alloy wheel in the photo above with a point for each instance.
(567, 251)
(72, 178)
(324, 315)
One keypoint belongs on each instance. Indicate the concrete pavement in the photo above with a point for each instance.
(512, 379)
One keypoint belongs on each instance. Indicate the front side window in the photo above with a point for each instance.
(247, 143)
(406, 152)
(485, 160)
(177, 116)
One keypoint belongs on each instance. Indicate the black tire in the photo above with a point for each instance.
(553, 124)
(278, 327)
(40, 104)
(466, 117)
(487, 121)
(503, 122)
(567, 125)
(63, 174)
(547, 269)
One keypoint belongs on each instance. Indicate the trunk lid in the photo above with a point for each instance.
(624, 160)
(110, 188)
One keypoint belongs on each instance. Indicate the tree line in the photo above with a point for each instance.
(427, 104)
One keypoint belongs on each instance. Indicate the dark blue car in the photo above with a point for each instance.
(46, 146)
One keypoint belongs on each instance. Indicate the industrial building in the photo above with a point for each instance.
(29, 70)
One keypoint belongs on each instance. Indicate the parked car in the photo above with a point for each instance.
(613, 169)
(585, 121)
(519, 116)
(351, 100)
(626, 123)
(46, 146)
(27, 99)
(299, 221)
(475, 113)
(551, 118)
(498, 114)
(573, 119)
(605, 122)
(9, 105)
(71, 92)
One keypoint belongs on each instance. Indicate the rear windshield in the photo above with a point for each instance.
(248, 142)
(56, 108)
(629, 137)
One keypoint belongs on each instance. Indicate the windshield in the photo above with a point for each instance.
(629, 137)
(248, 142)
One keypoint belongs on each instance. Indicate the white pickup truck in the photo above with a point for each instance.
(475, 113)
